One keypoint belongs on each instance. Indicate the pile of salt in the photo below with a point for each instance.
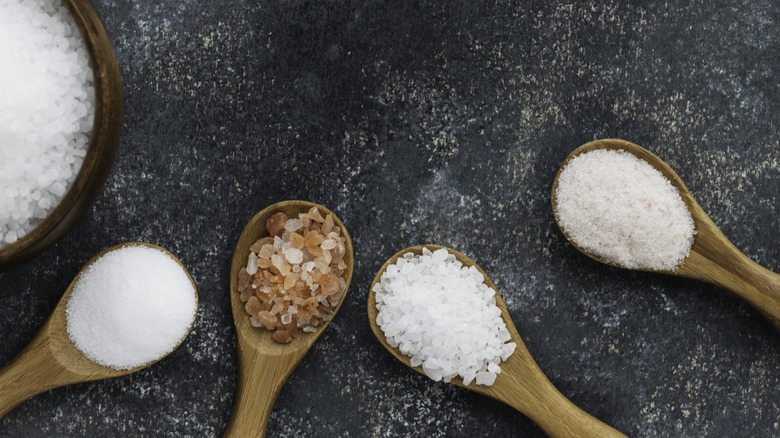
(130, 307)
(46, 111)
(623, 210)
(443, 316)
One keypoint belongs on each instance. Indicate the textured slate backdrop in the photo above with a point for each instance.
(432, 122)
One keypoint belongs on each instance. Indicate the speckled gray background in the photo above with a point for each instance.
(432, 122)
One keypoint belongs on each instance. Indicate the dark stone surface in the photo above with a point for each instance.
(432, 122)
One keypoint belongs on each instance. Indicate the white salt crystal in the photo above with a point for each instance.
(130, 307)
(293, 224)
(293, 255)
(485, 378)
(442, 316)
(251, 264)
(623, 210)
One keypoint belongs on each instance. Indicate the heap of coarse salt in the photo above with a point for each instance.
(130, 307)
(443, 316)
(46, 111)
(621, 209)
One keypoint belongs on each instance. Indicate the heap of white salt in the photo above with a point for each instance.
(443, 316)
(46, 111)
(131, 307)
(624, 211)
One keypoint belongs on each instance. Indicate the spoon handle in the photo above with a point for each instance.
(260, 378)
(528, 390)
(31, 372)
(714, 259)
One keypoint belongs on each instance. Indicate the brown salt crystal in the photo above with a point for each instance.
(327, 226)
(264, 263)
(275, 224)
(277, 307)
(254, 322)
(328, 244)
(281, 264)
(303, 314)
(266, 251)
(315, 214)
(253, 306)
(282, 337)
(296, 241)
(342, 265)
(244, 279)
(314, 322)
(290, 280)
(320, 263)
(292, 327)
(305, 219)
(299, 288)
(313, 240)
(268, 320)
(313, 309)
(329, 284)
(245, 294)
(316, 276)
(259, 244)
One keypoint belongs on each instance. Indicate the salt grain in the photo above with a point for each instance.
(46, 111)
(130, 307)
(623, 210)
(443, 316)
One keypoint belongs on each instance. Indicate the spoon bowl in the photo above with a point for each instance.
(712, 258)
(521, 383)
(52, 360)
(263, 364)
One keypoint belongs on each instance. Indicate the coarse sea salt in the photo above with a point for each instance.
(46, 111)
(130, 307)
(443, 316)
(621, 209)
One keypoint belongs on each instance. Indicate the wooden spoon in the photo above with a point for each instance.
(521, 383)
(713, 258)
(51, 359)
(263, 364)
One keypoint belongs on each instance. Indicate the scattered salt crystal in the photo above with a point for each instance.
(130, 307)
(444, 318)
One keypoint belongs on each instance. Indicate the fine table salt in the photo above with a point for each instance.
(620, 208)
(443, 316)
(130, 307)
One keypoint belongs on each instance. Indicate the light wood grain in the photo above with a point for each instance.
(263, 364)
(713, 258)
(521, 384)
(103, 141)
(51, 359)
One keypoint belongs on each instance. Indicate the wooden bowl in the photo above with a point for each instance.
(102, 145)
